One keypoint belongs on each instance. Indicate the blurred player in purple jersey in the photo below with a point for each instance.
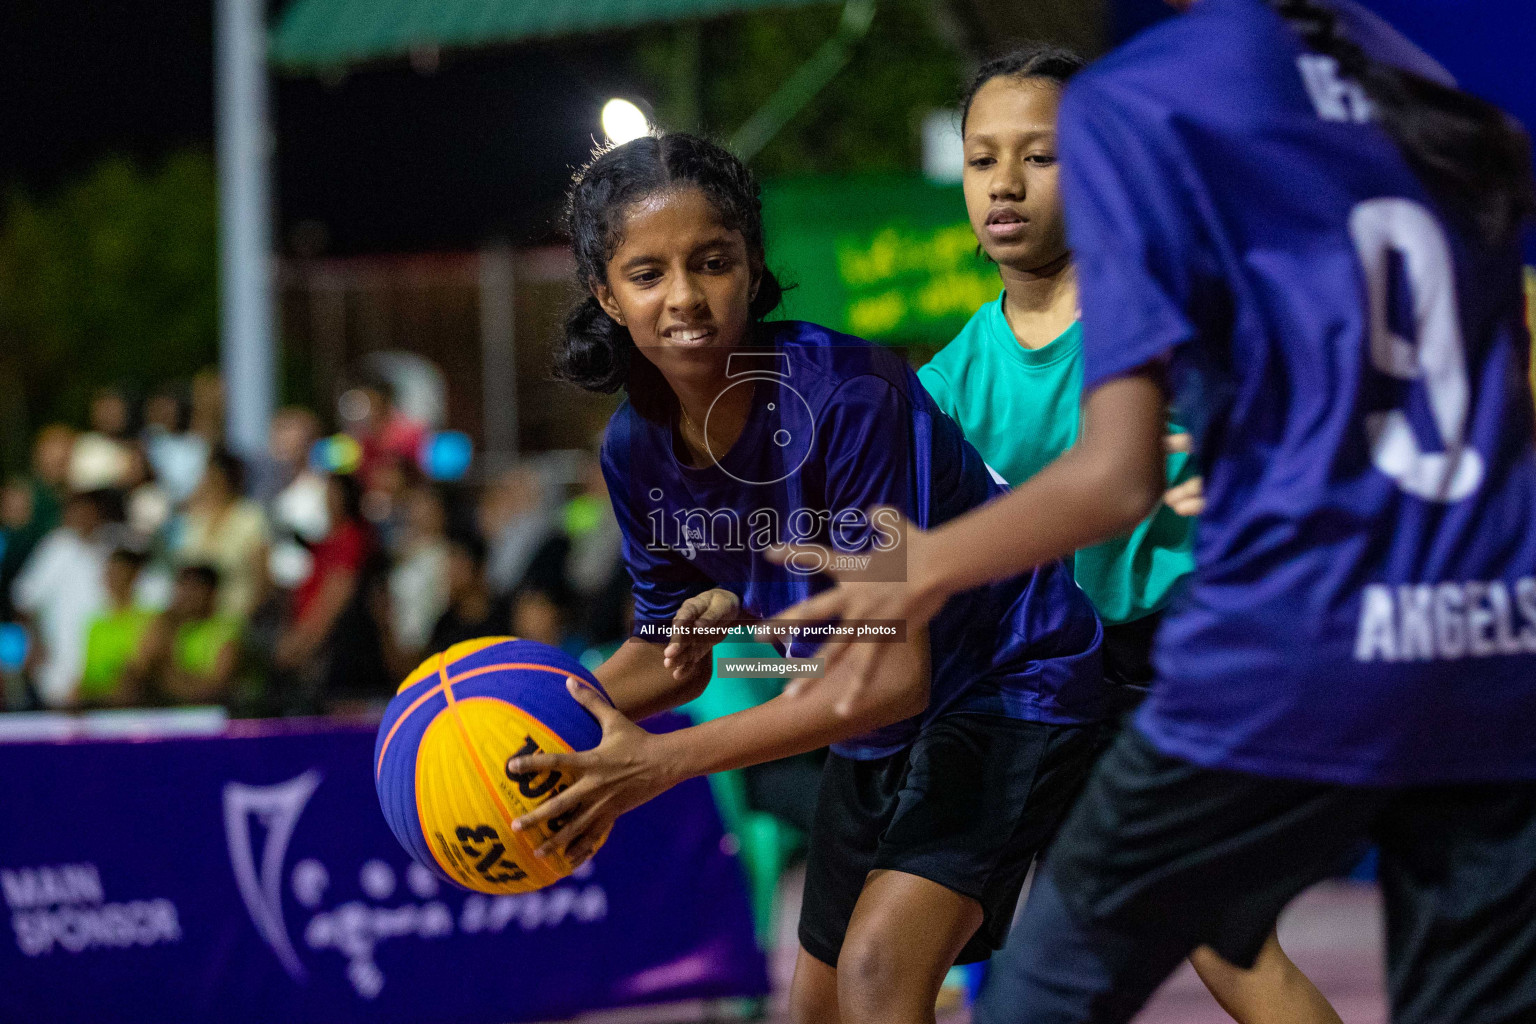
(1288, 220)
(1013, 381)
(739, 435)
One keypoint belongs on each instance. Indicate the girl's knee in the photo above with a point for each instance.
(868, 967)
(878, 982)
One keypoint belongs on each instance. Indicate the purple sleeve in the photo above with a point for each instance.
(1134, 234)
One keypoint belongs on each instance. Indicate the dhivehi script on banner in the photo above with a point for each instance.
(252, 878)
(890, 258)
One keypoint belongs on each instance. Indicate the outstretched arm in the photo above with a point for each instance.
(1100, 488)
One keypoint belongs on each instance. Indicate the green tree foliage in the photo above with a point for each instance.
(113, 280)
(867, 119)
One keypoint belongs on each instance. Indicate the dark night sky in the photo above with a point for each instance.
(80, 81)
(483, 147)
(386, 158)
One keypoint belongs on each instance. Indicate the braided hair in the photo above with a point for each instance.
(598, 353)
(1472, 157)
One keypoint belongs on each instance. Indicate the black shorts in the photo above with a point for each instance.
(968, 805)
(1166, 855)
(1127, 651)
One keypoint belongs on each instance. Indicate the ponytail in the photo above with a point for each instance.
(597, 349)
(1474, 158)
(598, 354)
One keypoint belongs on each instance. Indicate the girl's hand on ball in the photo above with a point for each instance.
(627, 768)
(702, 622)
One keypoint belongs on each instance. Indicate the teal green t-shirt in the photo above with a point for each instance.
(1020, 407)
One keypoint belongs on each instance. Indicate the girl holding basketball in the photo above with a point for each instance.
(1285, 214)
(736, 436)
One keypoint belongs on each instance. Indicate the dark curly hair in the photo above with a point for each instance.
(1052, 63)
(598, 353)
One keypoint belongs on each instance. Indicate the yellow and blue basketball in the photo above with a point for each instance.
(440, 762)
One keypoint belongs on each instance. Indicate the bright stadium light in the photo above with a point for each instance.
(623, 121)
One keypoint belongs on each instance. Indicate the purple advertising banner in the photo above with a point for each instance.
(250, 877)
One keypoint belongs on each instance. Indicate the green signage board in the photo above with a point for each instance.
(889, 258)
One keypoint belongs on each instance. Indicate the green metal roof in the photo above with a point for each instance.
(315, 34)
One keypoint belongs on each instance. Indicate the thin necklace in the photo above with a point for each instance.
(704, 438)
(689, 420)
(703, 435)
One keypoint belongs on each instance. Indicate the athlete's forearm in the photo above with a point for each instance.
(784, 726)
(1100, 488)
(640, 684)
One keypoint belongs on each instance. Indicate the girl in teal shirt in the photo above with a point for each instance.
(1013, 376)
(1012, 379)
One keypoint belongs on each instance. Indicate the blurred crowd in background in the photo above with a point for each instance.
(143, 564)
